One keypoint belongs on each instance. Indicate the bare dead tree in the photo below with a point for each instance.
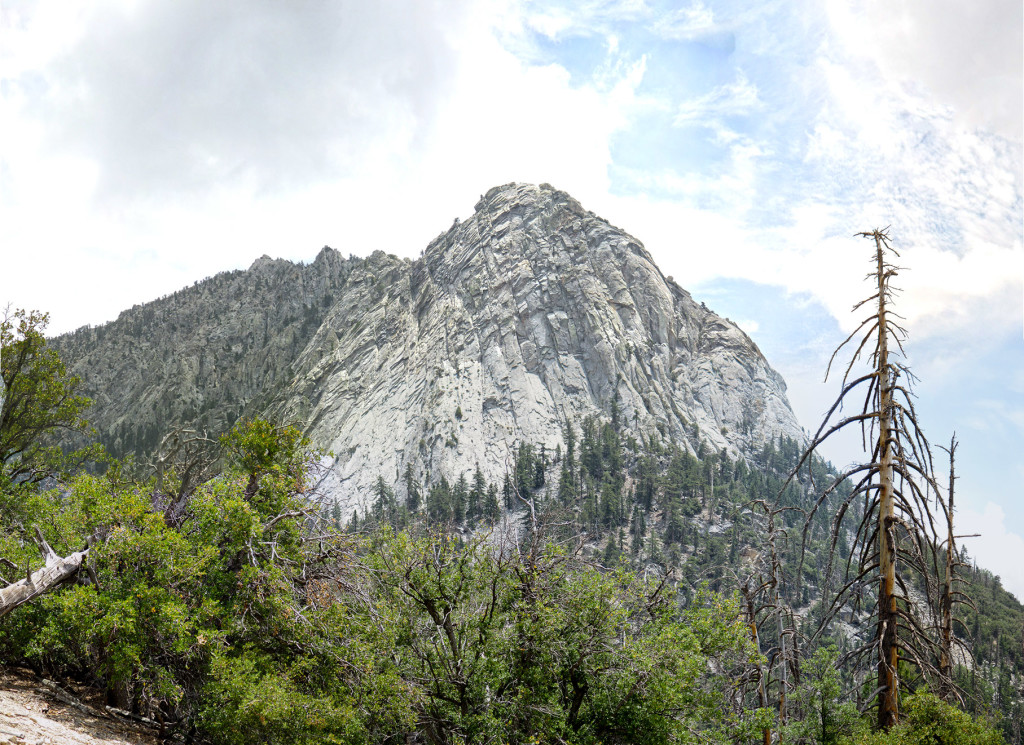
(185, 460)
(895, 535)
(765, 607)
(752, 607)
(787, 660)
(950, 596)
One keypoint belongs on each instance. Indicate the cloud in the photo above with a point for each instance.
(561, 19)
(173, 98)
(737, 98)
(880, 154)
(998, 549)
(966, 55)
(157, 144)
(685, 23)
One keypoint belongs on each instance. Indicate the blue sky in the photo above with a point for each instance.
(148, 145)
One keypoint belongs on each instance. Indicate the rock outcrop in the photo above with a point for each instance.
(530, 313)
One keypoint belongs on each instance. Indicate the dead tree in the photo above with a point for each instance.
(56, 570)
(764, 603)
(184, 461)
(895, 536)
(750, 610)
(950, 596)
(780, 609)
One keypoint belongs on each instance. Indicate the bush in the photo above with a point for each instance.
(928, 720)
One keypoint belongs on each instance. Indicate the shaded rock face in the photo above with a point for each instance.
(528, 314)
(206, 354)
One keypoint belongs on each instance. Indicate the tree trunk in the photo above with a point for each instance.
(776, 582)
(946, 601)
(888, 706)
(762, 688)
(56, 571)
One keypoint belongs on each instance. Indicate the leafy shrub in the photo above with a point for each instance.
(928, 720)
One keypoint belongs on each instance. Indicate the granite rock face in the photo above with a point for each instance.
(531, 312)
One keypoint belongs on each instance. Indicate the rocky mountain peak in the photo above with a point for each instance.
(529, 313)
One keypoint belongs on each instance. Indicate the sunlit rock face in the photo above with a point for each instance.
(530, 313)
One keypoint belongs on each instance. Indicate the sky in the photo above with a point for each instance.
(146, 145)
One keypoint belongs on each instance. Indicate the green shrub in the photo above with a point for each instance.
(928, 720)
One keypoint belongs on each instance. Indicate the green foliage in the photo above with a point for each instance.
(499, 644)
(254, 618)
(39, 401)
(827, 719)
(250, 621)
(176, 603)
(258, 447)
(928, 720)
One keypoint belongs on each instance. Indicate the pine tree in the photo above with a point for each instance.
(459, 498)
(637, 530)
(567, 489)
(506, 492)
(384, 507)
(540, 464)
(477, 494)
(492, 511)
(590, 449)
(412, 490)
(439, 502)
(525, 472)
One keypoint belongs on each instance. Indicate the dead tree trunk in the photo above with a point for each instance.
(888, 711)
(895, 535)
(946, 601)
(782, 629)
(56, 571)
(762, 683)
(777, 604)
(950, 596)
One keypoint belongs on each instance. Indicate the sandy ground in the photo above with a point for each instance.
(31, 713)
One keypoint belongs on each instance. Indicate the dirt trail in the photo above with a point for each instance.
(33, 714)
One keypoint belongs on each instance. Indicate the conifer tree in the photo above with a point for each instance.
(492, 511)
(477, 495)
(459, 498)
(506, 492)
(412, 490)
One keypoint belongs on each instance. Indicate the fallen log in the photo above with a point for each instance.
(56, 571)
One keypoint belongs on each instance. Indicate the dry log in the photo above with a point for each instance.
(56, 571)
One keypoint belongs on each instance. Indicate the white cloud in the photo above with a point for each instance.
(184, 97)
(967, 55)
(685, 23)
(244, 152)
(879, 154)
(998, 549)
(556, 20)
(732, 99)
